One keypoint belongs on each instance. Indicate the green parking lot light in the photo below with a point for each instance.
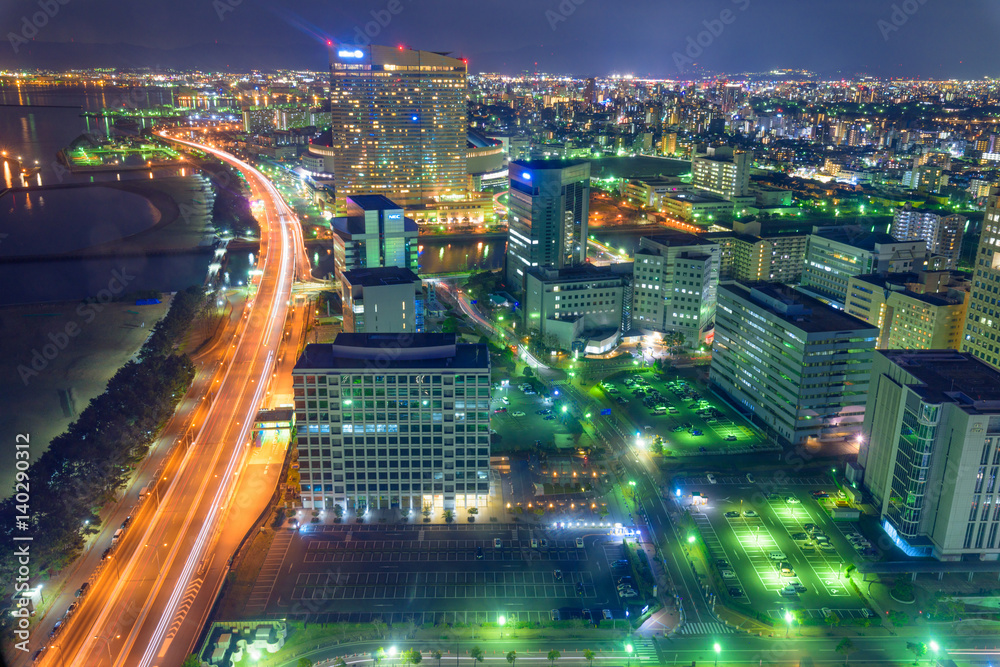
(587, 415)
(564, 408)
(690, 539)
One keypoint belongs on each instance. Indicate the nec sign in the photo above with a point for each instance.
(356, 53)
(394, 216)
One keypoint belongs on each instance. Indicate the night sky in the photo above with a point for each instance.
(934, 38)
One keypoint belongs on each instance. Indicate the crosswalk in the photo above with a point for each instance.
(643, 651)
(705, 629)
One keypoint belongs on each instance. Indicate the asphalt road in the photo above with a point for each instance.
(140, 615)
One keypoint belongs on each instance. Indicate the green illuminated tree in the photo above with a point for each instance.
(553, 656)
(845, 648)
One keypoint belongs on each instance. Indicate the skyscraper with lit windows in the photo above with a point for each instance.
(982, 324)
(398, 123)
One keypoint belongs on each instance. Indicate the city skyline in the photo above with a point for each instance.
(572, 37)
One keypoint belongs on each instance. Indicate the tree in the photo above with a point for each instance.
(340, 662)
(437, 655)
(511, 657)
(919, 650)
(379, 626)
(589, 656)
(477, 654)
(449, 515)
(304, 662)
(379, 654)
(473, 510)
(191, 661)
(553, 656)
(845, 648)
(833, 620)
(450, 325)
(411, 657)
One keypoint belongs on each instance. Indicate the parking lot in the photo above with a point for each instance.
(765, 544)
(693, 420)
(453, 573)
(519, 421)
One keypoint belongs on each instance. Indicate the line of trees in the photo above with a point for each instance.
(90, 463)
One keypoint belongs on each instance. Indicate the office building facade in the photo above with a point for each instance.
(722, 171)
(931, 452)
(674, 281)
(797, 365)
(382, 300)
(549, 203)
(913, 311)
(374, 233)
(754, 253)
(578, 308)
(834, 254)
(390, 421)
(982, 325)
(398, 123)
(943, 233)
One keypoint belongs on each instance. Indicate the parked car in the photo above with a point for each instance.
(728, 574)
(517, 413)
(711, 478)
(620, 563)
(557, 574)
(732, 515)
(607, 614)
(730, 438)
(792, 500)
(479, 553)
(82, 590)
(749, 513)
(735, 592)
(497, 543)
(579, 543)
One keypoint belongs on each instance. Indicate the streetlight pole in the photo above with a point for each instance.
(718, 650)
(628, 650)
(501, 621)
(788, 622)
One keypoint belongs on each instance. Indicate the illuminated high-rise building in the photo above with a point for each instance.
(547, 220)
(398, 123)
(982, 325)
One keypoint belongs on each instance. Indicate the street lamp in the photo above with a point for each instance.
(788, 620)
(718, 650)
(392, 652)
(501, 622)
(628, 650)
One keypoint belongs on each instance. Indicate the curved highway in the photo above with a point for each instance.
(147, 608)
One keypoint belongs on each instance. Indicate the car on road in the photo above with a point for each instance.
(549, 418)
(579, 543)
(497, 543)
(711, 478)
(579, 588)
(728, 574)
(619, 563)
(544, 543)
(732, 514)
(820, 494)
(730, 438)
(479, 553)
(736, 592)
(749, 513)
(607, 614)
(505, 400)
(499, 410)
(517, 413)
(792, 500)
(82, 590)
(557, 574)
